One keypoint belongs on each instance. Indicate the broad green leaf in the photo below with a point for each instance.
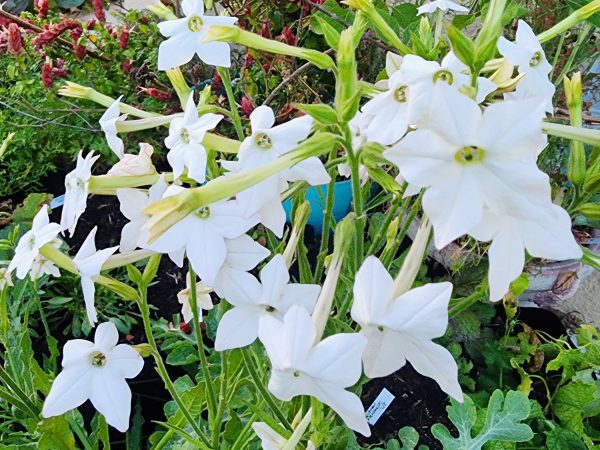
(570, 402)
(561, 439)
(55, 434)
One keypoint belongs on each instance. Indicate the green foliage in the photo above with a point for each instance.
(503, 418)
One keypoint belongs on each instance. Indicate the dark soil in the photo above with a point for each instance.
(419, 403)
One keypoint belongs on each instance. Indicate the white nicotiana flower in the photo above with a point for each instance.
(89, 263)
(271, 440)
(185, 142)
(5, 278)
(443, 5)
(185, 38)
(243, 255)
(96, 371)
(135, 165)
(42, 266)
(108, 123)
(254, 300)
(358, 126)
(401, 329)
(545, 234)
(203, 300)
(42, 232)
(76, 191)
(202, 234)
(528, 55)
(323, 370)
(468, 159)
(132, 203)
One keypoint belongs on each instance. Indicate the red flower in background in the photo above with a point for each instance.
(124, 38)
(15, 41)
(47, 76)
(247, 106)
(99, 10)
(41, 6)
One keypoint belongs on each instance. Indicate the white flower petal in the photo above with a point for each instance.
(70, 389)
(238, 327)
(111, 396)
(123, 360)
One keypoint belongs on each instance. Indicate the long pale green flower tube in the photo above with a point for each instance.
(576, 17)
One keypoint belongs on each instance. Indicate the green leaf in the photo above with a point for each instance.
(55, 434)
(331, 35)
(405, 14)
(182, 354)
(501, 422)
(409, 438)
(561, 439)
(570, 402)
(30, 207)
(322, 113)
(567, 360)
(462, 46)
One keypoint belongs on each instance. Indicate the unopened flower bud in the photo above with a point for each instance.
(247, 106)
(135, 165)
(15, 41)
(99, 10)
(47, 76)
(124, 38)
(91, 24)
(41, 6)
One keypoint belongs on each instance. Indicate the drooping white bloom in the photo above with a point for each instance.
(132, 203)
(42, 232)
(89, 263)
(42, 266)
(203, 300)
(468, 159)
(185, 38)
(5, 278)
(96, 371)
(201, 235)
(324, 370)
(545, 234)
(271, 440)
(243, 255)
(358, 127)
(185, 141)
(254, 300)
(108, 123)
(528, 55)
(401, 329)
(76, 191)
(135, 165)
(443, 5)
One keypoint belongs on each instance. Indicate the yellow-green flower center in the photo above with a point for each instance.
(195, 24)
(203, 213)
(443, 75)
(269, 309)
(98, 359)
(263, 141)
(469, 154)
(536, 59)
(185, 135)
(400, 94)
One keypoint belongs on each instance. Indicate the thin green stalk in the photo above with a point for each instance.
(581, 38)
(380, 236)
(250, 365)
(162, 370)
(559, 48)
(211, 398)
(243, 433)
(79, 431)
(222, 402)
(235, 115)
(388, 257)
(465, 303)
(354, 163)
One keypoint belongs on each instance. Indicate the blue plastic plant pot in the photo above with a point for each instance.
(317, 196)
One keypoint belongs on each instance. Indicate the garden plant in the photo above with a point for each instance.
(439, 117)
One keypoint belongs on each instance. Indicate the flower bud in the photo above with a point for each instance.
(91, 24)
(124, 38)
(299, 223)
(179, 84)
(135, 165)
(15, 41)
(99, 10)
(41, 6)
(412, 262)
(576, 170)
(47, 77)
(126, 66)
(247, 106)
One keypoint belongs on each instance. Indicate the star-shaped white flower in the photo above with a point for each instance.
(322, 370)
(443, 5)
(135, 165)
(203, 300)
(254, 300)
(42, 232)
(202, 235)
(108, 123)
(266, 144)
(132, 203)
(243, 255)
(89, 263)
(185, 142)
(468, 159)
(528, 55)
(545, 234)
(401, 329)
(185, 38)
(76, 191)
(96, 371)
(42, 266)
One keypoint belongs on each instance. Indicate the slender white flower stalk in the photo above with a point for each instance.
(203, 300)
(135, 165)
(324, 370)
(413, 260)
(77, 183)
(89, 262)
(96, 371)
(42, 232)
(273, 296)
(185, 38)
(401, 328)
(185, 142)
(108, 123)
(300, 219)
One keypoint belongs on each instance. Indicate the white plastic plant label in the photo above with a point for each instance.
(379, 405)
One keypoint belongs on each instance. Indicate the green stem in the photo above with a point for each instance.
(357, 199)
(235, 115)
(465, 303)
(381, 232)
(222, 402)
(250, 365)
(327, 216)
(162, 370)
(211, 398)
